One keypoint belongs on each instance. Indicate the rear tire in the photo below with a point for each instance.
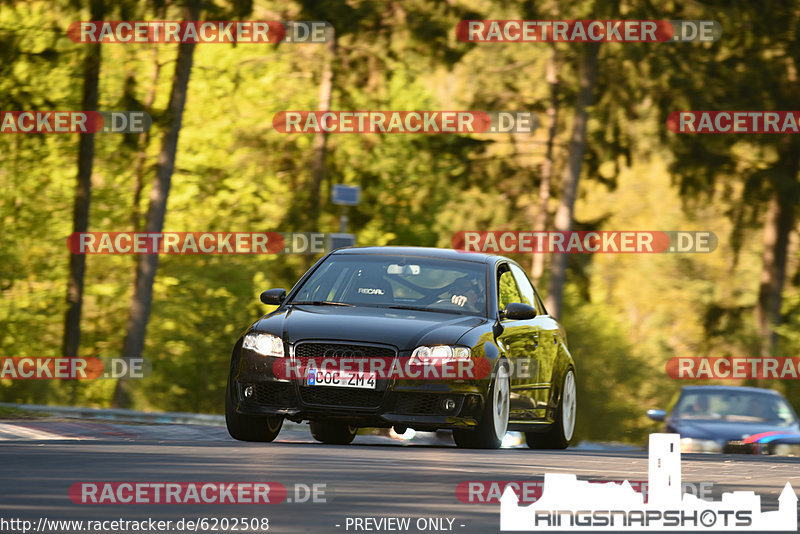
(333, 433)
(263, 428)
(559, 435)
(493, 426)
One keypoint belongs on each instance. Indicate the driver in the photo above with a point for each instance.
(465, 293)
(700, 406)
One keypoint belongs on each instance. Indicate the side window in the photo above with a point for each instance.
(528, 292)
(525, 288)
(507, 289)
(540, 305)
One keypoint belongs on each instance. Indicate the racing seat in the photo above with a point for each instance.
(370, 288)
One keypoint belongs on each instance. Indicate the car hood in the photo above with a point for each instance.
(723, 431)
(404, 329)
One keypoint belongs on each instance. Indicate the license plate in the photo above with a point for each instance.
(341, 379)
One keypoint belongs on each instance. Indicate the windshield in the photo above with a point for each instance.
(383, 281)
(740, 406)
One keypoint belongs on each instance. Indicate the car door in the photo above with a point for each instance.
(547, 330)
(520, 342)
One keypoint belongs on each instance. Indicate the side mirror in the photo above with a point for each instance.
(517, 310)
(273, 296)
(657, 415)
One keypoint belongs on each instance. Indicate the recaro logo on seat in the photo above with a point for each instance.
(370, 291)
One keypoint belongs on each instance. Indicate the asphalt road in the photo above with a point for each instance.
(374, 477)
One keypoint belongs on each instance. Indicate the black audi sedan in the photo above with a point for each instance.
(405, 337)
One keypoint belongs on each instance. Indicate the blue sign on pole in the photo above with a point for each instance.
(346, 195)
(341, 240)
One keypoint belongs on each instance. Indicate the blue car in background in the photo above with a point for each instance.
(735, 419)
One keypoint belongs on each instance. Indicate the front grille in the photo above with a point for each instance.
(418, 404)
(276, 394)
(740, 447)
(341, 397)
(341, 350)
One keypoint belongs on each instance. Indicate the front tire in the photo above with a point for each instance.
(493, 426)
(559, 435)
(333, 433)
(263, 428)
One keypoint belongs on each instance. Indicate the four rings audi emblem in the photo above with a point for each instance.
(343, 353)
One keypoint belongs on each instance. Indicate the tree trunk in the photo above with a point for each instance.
(148, 263)
(779, 222)
(569, 186)
(83, 194)
(321, 139)
(143, 143)
(540, 224)
(320, 146)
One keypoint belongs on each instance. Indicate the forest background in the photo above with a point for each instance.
(602, 159)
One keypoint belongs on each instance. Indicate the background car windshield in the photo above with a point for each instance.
(382, 281)
(735, 406)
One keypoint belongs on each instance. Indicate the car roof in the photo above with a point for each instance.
(428, 252)
(731, 389)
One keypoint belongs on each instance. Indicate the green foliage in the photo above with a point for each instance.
(625, 315)
(609, 372)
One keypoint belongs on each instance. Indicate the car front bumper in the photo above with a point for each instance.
(424, 404)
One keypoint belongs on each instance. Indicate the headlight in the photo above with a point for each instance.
(786, 449)
(700, 445)
(439, 354)
(265, 344)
